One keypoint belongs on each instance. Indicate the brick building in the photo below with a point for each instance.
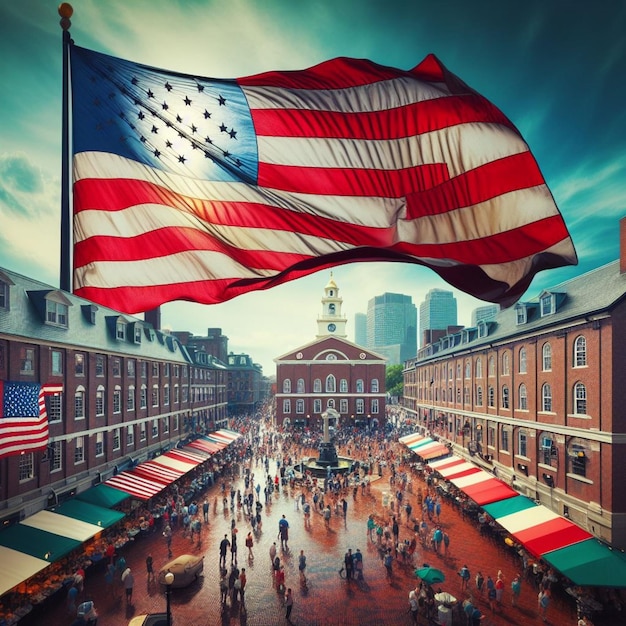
(330, 372)
(130, 391)
(536, 395)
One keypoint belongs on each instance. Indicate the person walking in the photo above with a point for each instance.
(283, 532)
(348, 561)
(205, 510)
(128, 581)
(224, 545)
(302, 566)
(273, 551)
(516, 589)
(249, 544)
(149, 568)
(464, 573)
(288, 604)
(167, 533)
(233, 547)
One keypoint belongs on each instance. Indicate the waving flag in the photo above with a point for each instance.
(23, 416)
(191, 188)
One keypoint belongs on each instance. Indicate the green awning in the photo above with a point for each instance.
(103, 495)
(38, 543)
(590, 564)
(508, 506)
(90, 513)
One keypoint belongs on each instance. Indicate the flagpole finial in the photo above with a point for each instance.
(65, 11)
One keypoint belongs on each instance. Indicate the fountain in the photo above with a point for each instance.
(328, 462)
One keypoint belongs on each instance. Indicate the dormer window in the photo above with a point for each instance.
(521, 316)
(482, 329)
(120, 330)
(56, 312)
(137, 333)
(5, 287)
(547, 304)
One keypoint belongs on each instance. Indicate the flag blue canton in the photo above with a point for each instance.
(191, 126)
(21, 399)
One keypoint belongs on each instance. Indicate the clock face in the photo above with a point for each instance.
(332, 328)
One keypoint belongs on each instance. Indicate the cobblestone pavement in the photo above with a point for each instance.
(325, 599)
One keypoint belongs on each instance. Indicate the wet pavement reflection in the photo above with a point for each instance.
(325, 598)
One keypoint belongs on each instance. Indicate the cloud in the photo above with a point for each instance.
(18, 178)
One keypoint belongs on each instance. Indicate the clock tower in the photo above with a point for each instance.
(331, 322)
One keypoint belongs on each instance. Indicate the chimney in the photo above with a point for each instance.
(622, 246)
(153, 316)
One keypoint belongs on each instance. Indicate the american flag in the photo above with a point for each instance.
(23, 416)
(191, 188)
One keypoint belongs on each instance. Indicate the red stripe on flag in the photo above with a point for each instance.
(408, 121)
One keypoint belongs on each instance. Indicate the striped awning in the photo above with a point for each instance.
(425, 447)
(136, 485)
(204, 444)
(153, 470)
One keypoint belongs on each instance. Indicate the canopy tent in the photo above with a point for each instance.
(590, 564)
(103, 495)
(192, 459)
(62, 525)
(90, 513)
(217, 440)
(153, 470)
(203, 444)
(425, 447)
(227, 435)
(136, 485)
(560, 542)
(16, 567)
(41, 544)
(457, 469)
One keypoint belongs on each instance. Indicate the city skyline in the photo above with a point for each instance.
(551, 69)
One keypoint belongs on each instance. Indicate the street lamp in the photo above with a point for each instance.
(169, 579)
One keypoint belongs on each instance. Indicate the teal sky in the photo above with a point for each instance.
(557, 69)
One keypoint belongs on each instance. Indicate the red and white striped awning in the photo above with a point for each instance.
(136, 485)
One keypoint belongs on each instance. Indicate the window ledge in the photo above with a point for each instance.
(579, 478)
(581, 416)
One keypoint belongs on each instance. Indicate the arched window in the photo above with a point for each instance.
(479, 395)
(117, 399)
(492, 366)
(343, 385)
(79, 403)
(491, 396)
(522, 361)
(300, 406)
(546, 397)
(546, 357)
(100, 401)
(300, 385)
(317, 386)
(506, 364)
(522, 397)
(331, 384)
(580, 352)
(505, 397)
(580, 399)
(468, 369)
(479, 368)
(374, 385)
(458, 370)
(130, 399)
(287, 385)
(286, 405)
(359, 386)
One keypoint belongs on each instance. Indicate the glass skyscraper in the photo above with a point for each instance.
(438, 311)
(392, 327)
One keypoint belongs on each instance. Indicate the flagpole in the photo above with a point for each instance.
(65, 283)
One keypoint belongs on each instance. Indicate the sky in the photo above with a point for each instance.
(556, 69)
